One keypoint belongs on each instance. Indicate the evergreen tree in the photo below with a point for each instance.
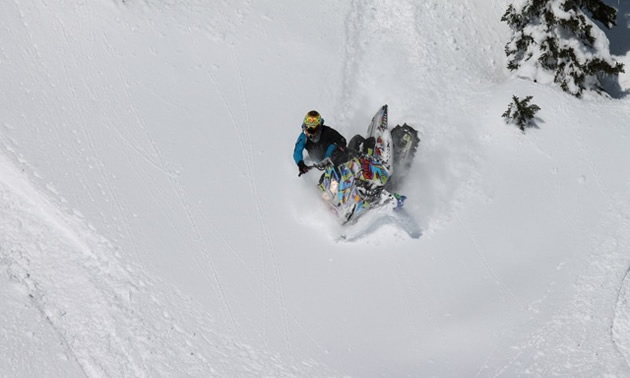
(554, 40)
(521, 112)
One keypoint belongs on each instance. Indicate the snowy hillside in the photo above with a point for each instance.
(153, 223)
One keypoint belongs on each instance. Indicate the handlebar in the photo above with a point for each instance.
(319, 166)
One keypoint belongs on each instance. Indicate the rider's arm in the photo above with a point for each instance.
(330, 150)
(336, 140)
(299, 148)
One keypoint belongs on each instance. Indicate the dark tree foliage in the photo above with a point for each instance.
(541, 35)
(599, 11)
(520, 112)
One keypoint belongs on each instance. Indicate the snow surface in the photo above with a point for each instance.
(153, 223)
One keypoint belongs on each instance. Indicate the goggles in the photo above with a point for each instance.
(311, 130)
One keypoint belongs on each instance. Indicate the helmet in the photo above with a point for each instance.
(312, 125)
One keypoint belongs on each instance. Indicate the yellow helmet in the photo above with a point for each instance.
(312, 125)
(312, 120)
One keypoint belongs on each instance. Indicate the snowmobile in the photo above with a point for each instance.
(365, 180)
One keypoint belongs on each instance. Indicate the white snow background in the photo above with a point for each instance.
(153, 225)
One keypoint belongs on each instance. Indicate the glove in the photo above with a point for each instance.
(303, 168)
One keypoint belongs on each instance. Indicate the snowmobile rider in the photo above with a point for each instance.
(320, 141)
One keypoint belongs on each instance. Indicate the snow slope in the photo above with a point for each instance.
(153, 224)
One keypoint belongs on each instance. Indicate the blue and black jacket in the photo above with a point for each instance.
(331, 144)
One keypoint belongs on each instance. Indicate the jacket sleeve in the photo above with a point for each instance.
(336, 141)
(330, 150)
(341, 142)
(299, 148)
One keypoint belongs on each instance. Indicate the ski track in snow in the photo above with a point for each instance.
(199, 252)
(620, 328)
(621, 322)
(243, 132)
(269, 249)
(112, 318)
(590, 335)
(32, 251)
